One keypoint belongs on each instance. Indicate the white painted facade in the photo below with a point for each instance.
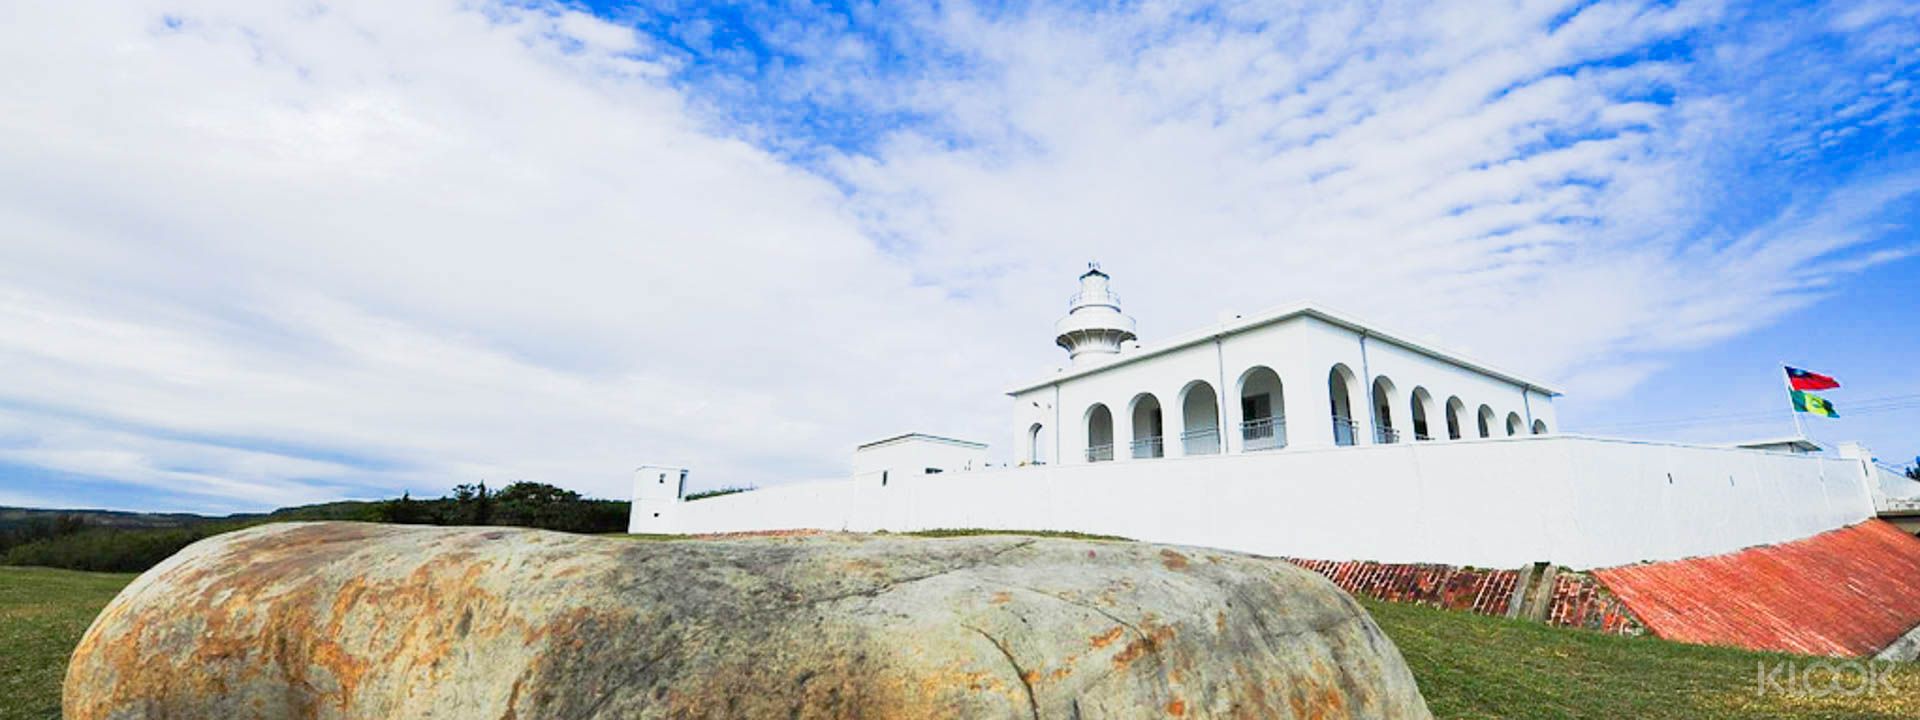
(1368, 446)
(918, 454)
(1287, 379)
(1325, 377)
(657, 490)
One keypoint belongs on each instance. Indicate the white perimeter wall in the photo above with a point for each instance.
(1576, 501)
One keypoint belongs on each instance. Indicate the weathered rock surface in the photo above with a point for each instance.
(345, 620)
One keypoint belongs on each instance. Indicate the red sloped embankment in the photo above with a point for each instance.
(1845, 592)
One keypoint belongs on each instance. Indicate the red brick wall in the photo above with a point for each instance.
(1481, 591)
(1578, 600)
(1846, 592)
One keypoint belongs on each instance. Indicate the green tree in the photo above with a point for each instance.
(532, 504)
(405, 511)
(42, 528)
(472, 505)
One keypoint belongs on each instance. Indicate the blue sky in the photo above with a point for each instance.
(266, 253)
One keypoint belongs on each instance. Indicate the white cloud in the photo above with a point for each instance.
(274, 252)
(449, 241)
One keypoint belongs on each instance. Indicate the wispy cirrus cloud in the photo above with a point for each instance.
(258, 253)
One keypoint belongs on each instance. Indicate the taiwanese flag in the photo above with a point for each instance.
(1803, 380)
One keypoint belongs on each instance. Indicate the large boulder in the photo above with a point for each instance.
(347, 620)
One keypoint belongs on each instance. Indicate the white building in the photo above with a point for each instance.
(1341, 442)
(919, 454)
(1295, 377)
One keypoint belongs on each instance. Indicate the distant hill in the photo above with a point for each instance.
(112, 540)
(367, 510)
(13, 517)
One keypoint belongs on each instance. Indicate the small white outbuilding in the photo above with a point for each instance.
(917, 454)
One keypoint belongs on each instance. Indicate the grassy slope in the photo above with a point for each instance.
(1468, 666)
(43, 613)
(1471, 666)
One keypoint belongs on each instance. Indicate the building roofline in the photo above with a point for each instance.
(921, 436)
(1793, 440)
(1278, 314)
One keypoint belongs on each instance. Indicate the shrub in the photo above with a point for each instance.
(113, 549)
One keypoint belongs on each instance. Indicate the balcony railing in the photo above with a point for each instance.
(1204, 441)
(1100, 453)
(1343, 430)
(1385, 435)
(1263, 434)
(1148, 447)
(1105, 298)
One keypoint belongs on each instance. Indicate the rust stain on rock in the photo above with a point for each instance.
(1152, 638)
(1106, 638)
(1173, 559)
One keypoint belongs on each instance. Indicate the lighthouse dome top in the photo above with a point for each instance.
(1094, 290)
(1094, 327)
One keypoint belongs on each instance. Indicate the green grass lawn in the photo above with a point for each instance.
(43, 613)
(1468, 666)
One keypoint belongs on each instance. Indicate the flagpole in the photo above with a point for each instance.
(1798, 425)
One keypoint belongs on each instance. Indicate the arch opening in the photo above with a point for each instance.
(1263, 410)
(1384, 433)
(1199, 419)
(1035, 445)
(1422, 402)
(1148, 427)
(1514, 424)
(1539, 427)
(1339, 383)
(1456, 410)
(1486, 421)
(1099, 433)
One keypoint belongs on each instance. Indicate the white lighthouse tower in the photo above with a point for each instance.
(1094, 326)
